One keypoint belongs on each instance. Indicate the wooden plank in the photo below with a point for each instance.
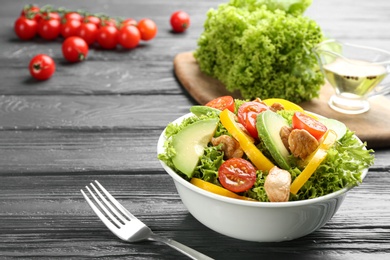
(34, 112)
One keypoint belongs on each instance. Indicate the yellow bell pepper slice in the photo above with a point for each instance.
(288, 105)
(314, 160)
(246, 142)
(217, 189)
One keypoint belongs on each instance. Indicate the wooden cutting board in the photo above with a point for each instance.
(372, 127)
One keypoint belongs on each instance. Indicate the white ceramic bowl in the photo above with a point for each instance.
(255, 221)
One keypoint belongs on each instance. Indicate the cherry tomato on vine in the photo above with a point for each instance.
(129, 36)
(147, 28)
(92, 19)
(73, 16)
(180, 21)
(247, 116)
(70, 28)
(88, 32)
(222, 103)
(31, 12)
(313, 126)
(75, 49)
(237, 175)
(51, 15)
(25, 28)
(108, 22)
(107, 37)
(49, 29)
(129, 21)
(29, 9)
(42, 67)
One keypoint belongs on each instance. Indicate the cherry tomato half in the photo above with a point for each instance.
(74, 49)
(314, 127)
(147, 28)
(25, 28)
(222, 103)
(180, 21)
(107, 37)
(42, 67)
(247, 116)
(237, 175)
(129, 36)
(49, 29)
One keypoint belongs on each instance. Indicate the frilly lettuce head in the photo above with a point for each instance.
(262, 49)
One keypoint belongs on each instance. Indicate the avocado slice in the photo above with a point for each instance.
(203, 110)
(335, 125)
(189, 144)
(268, 126)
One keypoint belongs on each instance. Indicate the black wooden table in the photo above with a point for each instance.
(100, 119)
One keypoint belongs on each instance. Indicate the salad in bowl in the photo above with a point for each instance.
(276, 167)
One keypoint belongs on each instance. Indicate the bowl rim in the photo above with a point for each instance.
(256, 204)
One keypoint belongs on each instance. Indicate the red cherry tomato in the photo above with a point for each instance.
(30, 8)
(247, 116)
(92, 19)
(180, 21)
(42, 67)
(222, 103)
(49, 29)
(88, 32)
(74, 49)
(31, 12)
(129, 37)
(237, 175)
(25, 28)
(107, 37)
(73, 16)
(108, 22)
(314, 127)
(51, 15)
(129, 21)
(70, 28)
(147, 28)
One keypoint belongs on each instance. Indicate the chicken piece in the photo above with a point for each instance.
(230, 147)
(276, 107)
(284, 134)
(277, 185)
(260, 101)
(302, 143)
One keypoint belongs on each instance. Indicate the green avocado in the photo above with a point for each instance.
(203, 110)
(268, 126)
(335, 125)
(189, 144)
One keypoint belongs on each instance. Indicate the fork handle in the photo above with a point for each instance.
(192, 253)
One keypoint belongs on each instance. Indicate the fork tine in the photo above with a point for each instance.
(102, 217)
(116, 203)
(108, 204)
(104, 208)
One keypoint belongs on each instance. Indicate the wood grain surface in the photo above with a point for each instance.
(100, 120)
(372, 127)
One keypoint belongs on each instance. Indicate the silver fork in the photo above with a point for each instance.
(125, 225)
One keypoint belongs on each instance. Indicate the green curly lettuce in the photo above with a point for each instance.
(262, 48)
